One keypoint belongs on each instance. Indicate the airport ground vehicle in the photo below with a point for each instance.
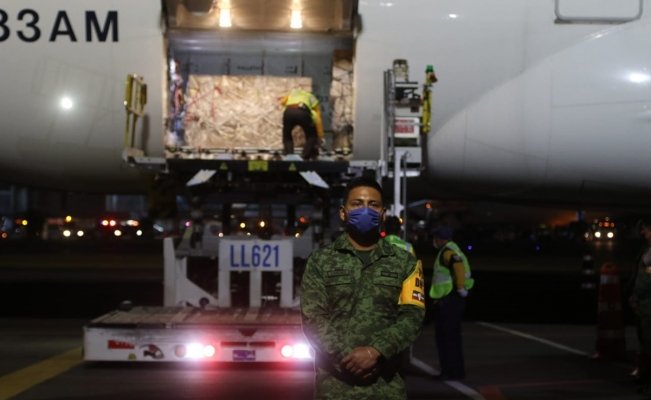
(602, 230)
(230, 291)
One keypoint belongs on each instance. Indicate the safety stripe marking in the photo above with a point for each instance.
(460, 387)
(24, 379)
(534, 338)
(548, 383)
(467, 390)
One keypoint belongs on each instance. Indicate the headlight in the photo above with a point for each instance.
(195, 350)
(297, 351)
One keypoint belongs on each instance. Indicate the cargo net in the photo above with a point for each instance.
(233, 114)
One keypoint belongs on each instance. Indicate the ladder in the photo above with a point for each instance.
(402, 147)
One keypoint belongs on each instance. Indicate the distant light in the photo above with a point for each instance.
(68, 218)
(188, 224)
(597, 234)
(296, 21)
(453, 16)
(610, 235)
(262, 224)
(469, 247)
(67, 233)
(138, 232)
(383, 234)
(225, 18)
(242, 225)
(105, 222)
(221, 234)
(297, 234)
(24, 222)
(80, 233)
(112, 222)
(117, 233)
(248, 234)
(5, 235)
(537, 247)
(638, 77)
(66, 103)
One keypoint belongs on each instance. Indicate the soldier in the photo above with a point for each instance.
(362, 304)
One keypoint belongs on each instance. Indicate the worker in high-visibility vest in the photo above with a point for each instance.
(640, 302)
(302, 109)
(392, 226)
(450, 286)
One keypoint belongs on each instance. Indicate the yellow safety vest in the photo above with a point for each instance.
(300, 96)
(396, 241)
(442, 279)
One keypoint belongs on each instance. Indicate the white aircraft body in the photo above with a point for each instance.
(535, 100)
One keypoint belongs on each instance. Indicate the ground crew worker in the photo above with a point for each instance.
(362, 304)
(302, 109)
(450, 285)
(392, 227)
(641, 303)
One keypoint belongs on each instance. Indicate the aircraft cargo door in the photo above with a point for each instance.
(598, 11)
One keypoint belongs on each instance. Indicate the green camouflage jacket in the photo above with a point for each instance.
(346, 304)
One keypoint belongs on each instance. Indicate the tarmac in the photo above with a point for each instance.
(529, 334)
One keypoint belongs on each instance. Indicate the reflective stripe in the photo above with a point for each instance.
(441, 283)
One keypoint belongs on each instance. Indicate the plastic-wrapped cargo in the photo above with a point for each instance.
(237, 112)
(341, 98)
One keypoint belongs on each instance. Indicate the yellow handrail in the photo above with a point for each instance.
(135, 98)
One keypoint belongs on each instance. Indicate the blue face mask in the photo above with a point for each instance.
(364, 219)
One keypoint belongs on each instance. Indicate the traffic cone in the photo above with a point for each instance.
(610, 322)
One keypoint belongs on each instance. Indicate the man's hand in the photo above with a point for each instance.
(361, 361)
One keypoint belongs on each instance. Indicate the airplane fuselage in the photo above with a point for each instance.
(536, 100)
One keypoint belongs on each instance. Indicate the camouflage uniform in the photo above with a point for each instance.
(346, 304)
